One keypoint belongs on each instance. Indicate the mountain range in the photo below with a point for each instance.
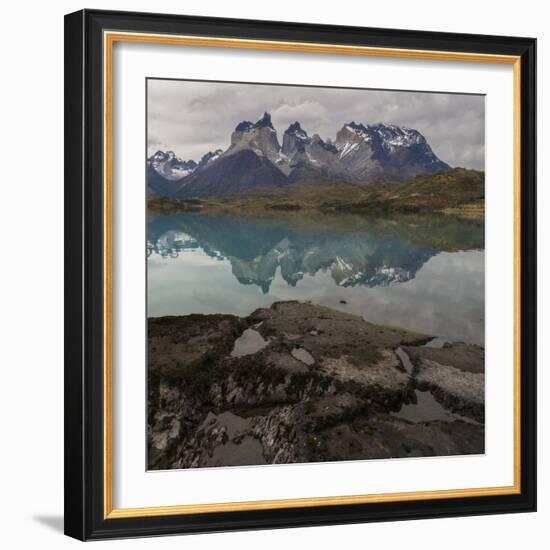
(255, 158)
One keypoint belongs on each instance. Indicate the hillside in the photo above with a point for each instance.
(458, 192)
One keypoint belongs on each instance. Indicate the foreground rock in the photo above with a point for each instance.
(302, 383)
(454, 374)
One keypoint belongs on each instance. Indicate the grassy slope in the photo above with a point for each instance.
(457, 192)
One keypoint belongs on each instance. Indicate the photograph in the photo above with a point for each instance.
(284, 282)
(299, 273)
(315, 261)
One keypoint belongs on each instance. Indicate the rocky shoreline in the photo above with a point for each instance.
(298, 382)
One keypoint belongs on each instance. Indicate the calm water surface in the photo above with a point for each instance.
(419, 273)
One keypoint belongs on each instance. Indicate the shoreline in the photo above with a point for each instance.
(295, 382)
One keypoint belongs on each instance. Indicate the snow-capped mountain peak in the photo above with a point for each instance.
(259, 137)
(297, 131)
(169, 166)
(397, 136)
(265, 121)
(209, 157)
(374, 149)
(389, 134)
(359, 130)
(262, 122)
(159, 156)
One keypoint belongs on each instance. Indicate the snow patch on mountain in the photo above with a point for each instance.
(347, 148)
(209, 157)
(171, 167)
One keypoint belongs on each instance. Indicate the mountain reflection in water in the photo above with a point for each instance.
(421, 273)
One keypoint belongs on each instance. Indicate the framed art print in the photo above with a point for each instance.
(300, 274)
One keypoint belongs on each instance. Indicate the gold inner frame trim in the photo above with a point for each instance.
(109, 39)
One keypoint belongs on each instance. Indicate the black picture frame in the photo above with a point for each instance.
(84, 282)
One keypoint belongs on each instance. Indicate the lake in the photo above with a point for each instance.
(421, 273)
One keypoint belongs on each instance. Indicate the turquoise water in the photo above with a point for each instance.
(420, 273)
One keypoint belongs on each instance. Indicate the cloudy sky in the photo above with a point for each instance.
(192, 118)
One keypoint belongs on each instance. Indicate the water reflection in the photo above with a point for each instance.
(424, 274)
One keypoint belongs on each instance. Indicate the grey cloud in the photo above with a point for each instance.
(192, 118)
